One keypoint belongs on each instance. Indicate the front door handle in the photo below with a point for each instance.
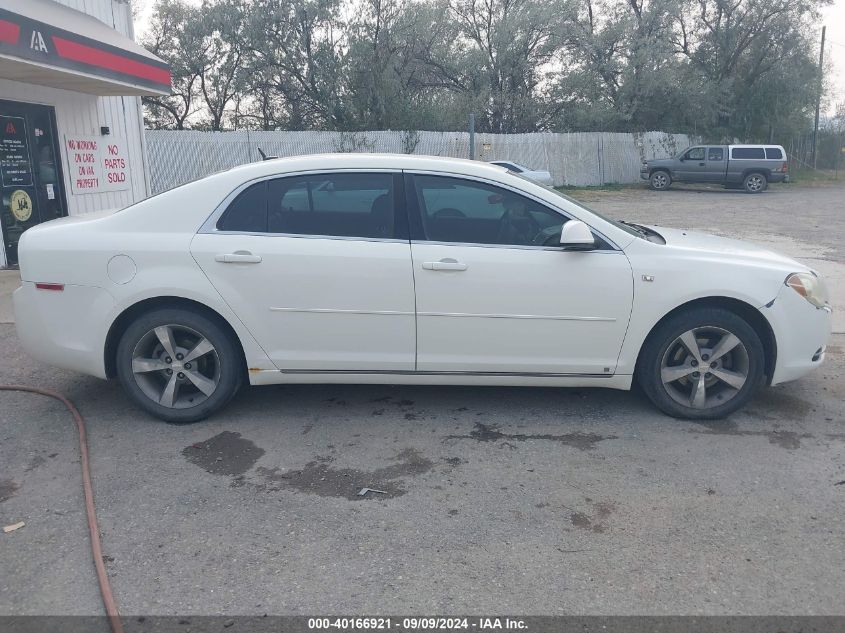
(701, 164)
(445, 264)
(238, 257)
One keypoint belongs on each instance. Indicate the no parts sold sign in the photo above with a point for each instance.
(96, 164)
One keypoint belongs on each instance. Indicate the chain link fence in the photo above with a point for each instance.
(579, 159)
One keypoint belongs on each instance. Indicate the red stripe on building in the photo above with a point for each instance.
(109, 61)
(9, 32)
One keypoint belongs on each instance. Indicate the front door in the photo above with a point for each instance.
(497, 294)
(692, 167)
(318, 268)
(30, 171)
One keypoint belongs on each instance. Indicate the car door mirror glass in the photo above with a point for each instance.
(575, 235)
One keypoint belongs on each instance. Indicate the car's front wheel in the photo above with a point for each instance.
(660, 180)
(704, 363)
(178, 364)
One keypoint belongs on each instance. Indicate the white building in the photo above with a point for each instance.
(71, 126)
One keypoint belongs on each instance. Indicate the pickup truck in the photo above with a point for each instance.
(750, 167)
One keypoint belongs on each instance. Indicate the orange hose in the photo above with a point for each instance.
(90, 510)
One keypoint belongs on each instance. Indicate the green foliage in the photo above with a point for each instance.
(720, 69)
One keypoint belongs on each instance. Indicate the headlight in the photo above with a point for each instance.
(810, 287)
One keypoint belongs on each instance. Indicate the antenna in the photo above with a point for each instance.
(264, 156)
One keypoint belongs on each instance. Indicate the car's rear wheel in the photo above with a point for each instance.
(704, 363)
(178, 364)
(660, 180)
(755, 183)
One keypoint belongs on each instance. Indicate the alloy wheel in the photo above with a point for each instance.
(704, 367)
(176, 366)
(754, 183)
(659, 180)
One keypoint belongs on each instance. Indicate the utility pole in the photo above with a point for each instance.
(818, 99)
(472, 136)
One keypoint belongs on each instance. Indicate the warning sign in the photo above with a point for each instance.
(96, 164)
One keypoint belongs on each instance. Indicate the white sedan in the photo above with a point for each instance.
(537, 175)
(350, 268)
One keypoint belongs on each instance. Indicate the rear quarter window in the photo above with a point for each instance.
(774, 153)
(748, 153)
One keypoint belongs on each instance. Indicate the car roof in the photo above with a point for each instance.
(756, 145)
(311, 162)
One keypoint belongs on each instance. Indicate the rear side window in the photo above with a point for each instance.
(247, 212)
(715, 154)
(748, 152)
(774, 153)
(339, 205)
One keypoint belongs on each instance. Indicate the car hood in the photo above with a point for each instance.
(655, 162)
(705, 244)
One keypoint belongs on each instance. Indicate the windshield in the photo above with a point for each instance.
(619, 225)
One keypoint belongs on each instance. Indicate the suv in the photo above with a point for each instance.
(751, 167)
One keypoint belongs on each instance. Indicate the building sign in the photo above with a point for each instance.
(24, 38)
(15, 164)
(96, 164)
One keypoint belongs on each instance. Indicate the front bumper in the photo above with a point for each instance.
(64, 328)
(802, 332)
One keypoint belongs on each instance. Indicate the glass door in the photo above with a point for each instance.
(30, 171)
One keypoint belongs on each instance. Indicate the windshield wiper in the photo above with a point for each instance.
(639, 228)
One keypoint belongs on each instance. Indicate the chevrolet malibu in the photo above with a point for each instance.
(407, 270)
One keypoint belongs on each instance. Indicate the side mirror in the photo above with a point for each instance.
(575, 235)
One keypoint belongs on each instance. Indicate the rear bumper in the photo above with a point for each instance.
(802, 332)
(66, 329)
(778, 177)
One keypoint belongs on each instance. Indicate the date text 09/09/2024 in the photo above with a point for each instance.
(417, 624)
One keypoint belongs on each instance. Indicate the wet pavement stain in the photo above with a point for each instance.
(34, 463)
(773, 403)
(581, 441)
(790, 440)
(8, 488)
(226, 453)
(318, 477)
(594, 521)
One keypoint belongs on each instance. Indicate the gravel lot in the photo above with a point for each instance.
(524, 501)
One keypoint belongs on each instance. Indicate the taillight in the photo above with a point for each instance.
(785, 166)
(47, 286)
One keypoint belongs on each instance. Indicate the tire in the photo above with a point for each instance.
(755, 182)
(173, 389)
(660, 180)
(733, 377)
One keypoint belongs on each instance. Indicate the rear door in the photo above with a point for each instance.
(318, 268)
(716, 165)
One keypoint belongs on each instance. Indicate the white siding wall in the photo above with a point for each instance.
(84, 114)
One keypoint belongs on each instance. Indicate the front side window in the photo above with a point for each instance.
(696, 153)
(470, 212)
(338, 205)
(715, 154)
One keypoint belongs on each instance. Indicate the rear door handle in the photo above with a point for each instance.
(445, 264)
(238, 257)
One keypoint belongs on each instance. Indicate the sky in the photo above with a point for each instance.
(833, 17)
